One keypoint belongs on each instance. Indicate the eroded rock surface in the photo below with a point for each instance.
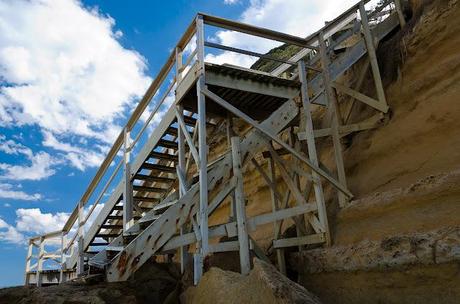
(264, 284)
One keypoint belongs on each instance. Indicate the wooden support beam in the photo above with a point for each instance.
(181, 173)
(317, 226)
(128, 186)
(202, 147)
(311, 145)
(333, 111)
(277, 225)
(80, 242)
(188, 138)
(399, 10)
(299, 241)
(230, 134)
(361, 97)
(243, 239)
(252, 122)
(372, 55)
(40, 262)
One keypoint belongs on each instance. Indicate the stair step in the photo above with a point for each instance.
(163, 206)
(146, 199)
(107, 235)
(120, 217)
(157, 167)
(114, 248)
(117, 207)
(148, 219)
(112, 226)
(98, 244)
(151, 178)
(189, 120)
(166, 156)
(149, 189)
(173, 131)
(167, 144)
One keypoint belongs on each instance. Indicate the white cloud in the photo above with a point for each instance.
(7, 191)
(10, 234)
(79, 158)
(9, 146)
(40, 168)
(231, 2)
(65, 69)
(295, 17)
(6, 205)
(35, 222)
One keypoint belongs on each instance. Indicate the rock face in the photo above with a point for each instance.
(153, 283)
(264, 284)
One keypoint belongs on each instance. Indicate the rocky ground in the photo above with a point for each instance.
(154, 283)
(159, 283)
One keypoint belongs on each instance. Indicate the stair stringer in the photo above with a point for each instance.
(152, 239)
(94, 228)
(143, 155)
(100, 260)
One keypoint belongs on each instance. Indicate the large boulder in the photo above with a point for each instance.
(264, 284)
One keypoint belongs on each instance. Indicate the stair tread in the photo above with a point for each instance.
(167, 144)
(150, 166)
(150, 189)
(152, 178)
(160, 155)
(146, 199)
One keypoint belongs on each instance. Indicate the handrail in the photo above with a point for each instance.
(115, 171)
(312, 39)
(155, 110)
(154, 86)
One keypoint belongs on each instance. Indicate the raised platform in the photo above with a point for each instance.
(255, 93)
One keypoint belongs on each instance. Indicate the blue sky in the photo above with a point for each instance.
(70, 74)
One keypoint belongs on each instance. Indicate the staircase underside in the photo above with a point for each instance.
(162, 182)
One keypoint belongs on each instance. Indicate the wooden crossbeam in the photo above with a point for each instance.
(252, 122)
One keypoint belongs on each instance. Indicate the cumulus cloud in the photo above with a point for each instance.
(7, 191)
(79, 158)
(230, 2)
(63, 69)
(31, 222)
(10, 234)
(40, 168)
(295, 17)
(34, 221)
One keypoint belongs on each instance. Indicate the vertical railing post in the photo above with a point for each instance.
(183, 177)
(203, 151)
(333, 111)
(80, 243)
(178, 65)
(399, 10)
(28, 261)
(128, 188)
(312, 154)
(41, 255)
(372, 55)
(243, 239)
(63, 256)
